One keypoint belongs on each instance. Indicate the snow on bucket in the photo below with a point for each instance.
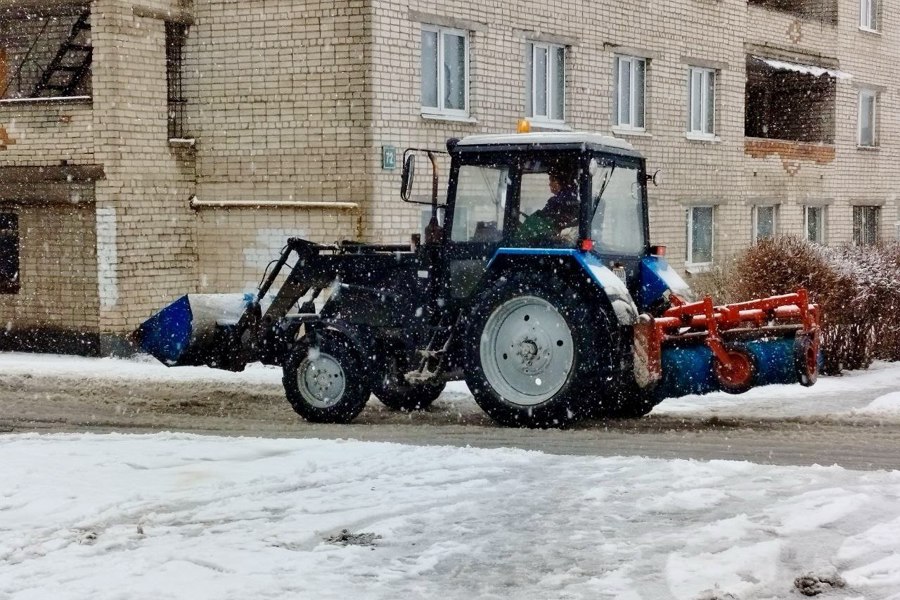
(196, 329)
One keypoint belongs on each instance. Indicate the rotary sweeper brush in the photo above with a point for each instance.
(551, 309)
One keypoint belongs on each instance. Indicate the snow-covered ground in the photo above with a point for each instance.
(181, 516)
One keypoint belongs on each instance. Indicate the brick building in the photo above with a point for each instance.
(150, 148)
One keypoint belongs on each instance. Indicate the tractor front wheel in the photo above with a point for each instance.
(325, 381)
(533, 346)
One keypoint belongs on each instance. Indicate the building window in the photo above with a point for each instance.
(545, 81)
(176, 35)
(9, 253)
(814, 223)
(865, 225)
(764, 222)
(629, 92)
(868, 14)
(700, 235)
(445, 59)
(867, 116)
(701, 102)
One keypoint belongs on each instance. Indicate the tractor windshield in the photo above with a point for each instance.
(618, 223)
(480, 202)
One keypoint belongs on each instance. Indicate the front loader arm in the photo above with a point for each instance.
(265, 335)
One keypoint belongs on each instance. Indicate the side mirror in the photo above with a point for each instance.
(407, 176)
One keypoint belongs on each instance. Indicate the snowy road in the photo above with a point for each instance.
(179, 516)
(853, 421)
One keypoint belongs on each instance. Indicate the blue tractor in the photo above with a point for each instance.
(535, 282)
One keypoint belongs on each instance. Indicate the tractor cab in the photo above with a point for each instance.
(544, 192)
(548, 190)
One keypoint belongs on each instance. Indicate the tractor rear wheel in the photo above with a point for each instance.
(325, 381)
(533, 348)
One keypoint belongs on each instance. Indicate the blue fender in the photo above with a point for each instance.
(616, 291)
(657, 278)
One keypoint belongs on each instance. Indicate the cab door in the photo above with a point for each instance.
(619, 224)
(477, 221)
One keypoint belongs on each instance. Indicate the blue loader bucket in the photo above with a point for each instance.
(196, 329)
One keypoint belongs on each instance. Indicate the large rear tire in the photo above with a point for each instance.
(534, 347)
(325, 382)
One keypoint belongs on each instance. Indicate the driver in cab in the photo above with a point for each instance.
(548, 224)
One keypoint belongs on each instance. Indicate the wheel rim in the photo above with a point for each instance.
(526, 350)
(321, 380)
(739, 373)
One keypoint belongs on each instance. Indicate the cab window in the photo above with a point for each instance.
(480, 202)
(617, 226)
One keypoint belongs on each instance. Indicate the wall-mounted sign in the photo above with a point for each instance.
(388, 158)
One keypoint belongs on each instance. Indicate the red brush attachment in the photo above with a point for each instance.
(777, 315)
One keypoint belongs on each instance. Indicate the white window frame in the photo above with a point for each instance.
(708, 81)
(859, 119)
(441, 110)
(755, 220)
(868, 15)
(631, 62)
(822, 221)
(690, 236)
(550, 82)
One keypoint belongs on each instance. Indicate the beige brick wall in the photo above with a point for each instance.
(57, 268)
(237, 244)
(280, 104)
(144, 200)
(45, 133)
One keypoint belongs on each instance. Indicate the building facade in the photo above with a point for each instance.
(153, 148)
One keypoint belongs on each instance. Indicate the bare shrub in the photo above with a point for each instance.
(858, 290)
(888, 326)
(715, 283)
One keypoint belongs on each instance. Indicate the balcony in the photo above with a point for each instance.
(790, 101)
(824, 11)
